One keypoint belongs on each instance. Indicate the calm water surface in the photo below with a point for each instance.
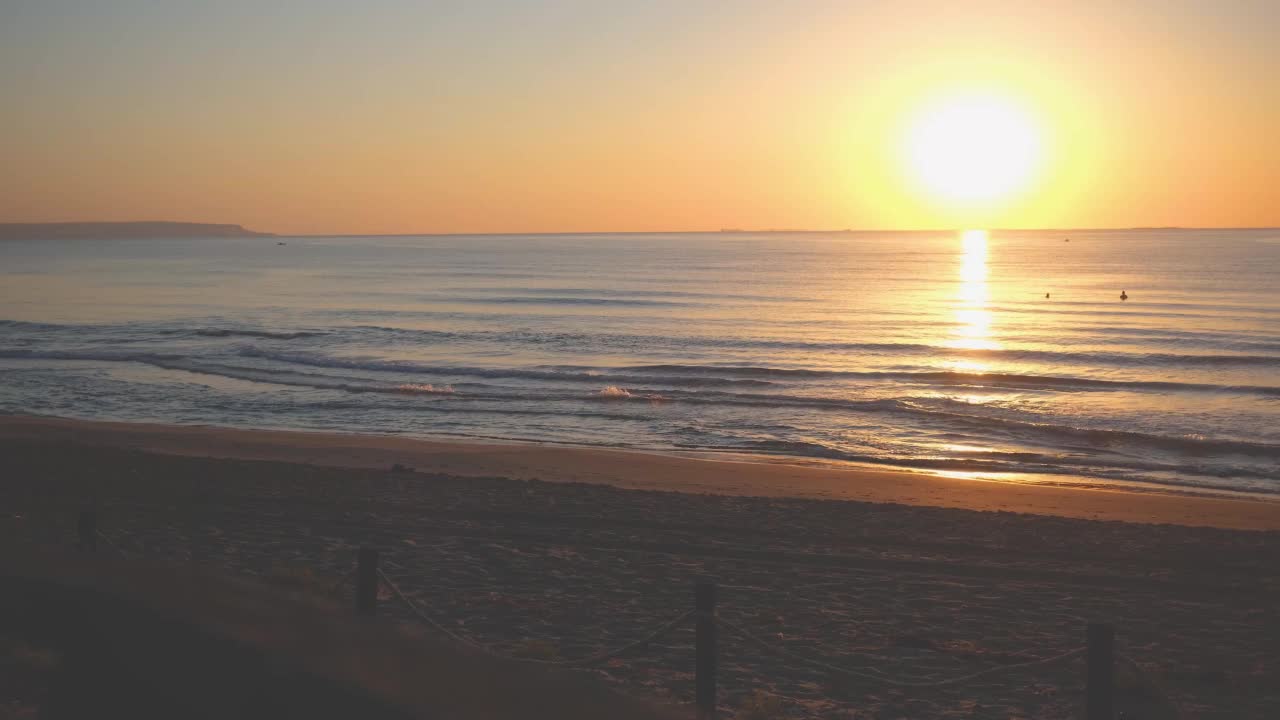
(936, 351)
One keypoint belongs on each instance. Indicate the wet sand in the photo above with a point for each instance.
(654, 471)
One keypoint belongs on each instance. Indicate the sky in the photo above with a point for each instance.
(403, 116)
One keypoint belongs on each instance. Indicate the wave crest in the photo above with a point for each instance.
(264, 334)
(425, 389)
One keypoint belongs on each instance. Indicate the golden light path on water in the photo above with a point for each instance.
(973, 318)
(972, 330)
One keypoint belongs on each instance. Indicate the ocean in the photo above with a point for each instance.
(1001, 355)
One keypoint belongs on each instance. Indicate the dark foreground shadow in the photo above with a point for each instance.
(141, 641)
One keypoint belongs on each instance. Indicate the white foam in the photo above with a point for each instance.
(425, 389)
(613, 392)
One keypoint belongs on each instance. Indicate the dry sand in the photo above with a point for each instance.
(654, 471)
(565, 569)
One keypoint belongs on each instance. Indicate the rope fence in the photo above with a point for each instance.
(774, 648)
(342, 582)
(1152, 685)
(1099, 652)
(588, 660)
(115, 548)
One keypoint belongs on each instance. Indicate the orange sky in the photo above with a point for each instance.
(398, 116)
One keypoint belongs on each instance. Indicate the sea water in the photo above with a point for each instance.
(988, 355)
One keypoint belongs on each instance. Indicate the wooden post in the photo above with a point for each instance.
(367, 581)
(705, 605)
(88, 530)
(1101, 663)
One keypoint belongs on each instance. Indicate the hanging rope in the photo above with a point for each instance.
(112, 545)
(588, 660)
(861, 673)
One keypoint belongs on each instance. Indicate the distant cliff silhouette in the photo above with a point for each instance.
(119, 230)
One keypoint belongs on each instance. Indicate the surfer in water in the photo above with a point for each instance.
(1124, 295)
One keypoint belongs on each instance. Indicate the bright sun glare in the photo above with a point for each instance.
(973, 148)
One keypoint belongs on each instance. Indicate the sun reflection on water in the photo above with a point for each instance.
(973, 318)
(972, 331)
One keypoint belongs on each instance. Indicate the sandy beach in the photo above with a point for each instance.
(654, 471)
(932, 579)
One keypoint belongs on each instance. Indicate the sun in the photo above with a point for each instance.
(972, 149)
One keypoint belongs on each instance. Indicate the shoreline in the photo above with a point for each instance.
(654, 471)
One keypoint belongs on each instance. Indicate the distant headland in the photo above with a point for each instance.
(122, 230)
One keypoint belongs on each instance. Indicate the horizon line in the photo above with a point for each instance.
(782, 231)
(721, 231)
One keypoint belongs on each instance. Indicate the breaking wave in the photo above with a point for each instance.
(425, 389)
(227, 332)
